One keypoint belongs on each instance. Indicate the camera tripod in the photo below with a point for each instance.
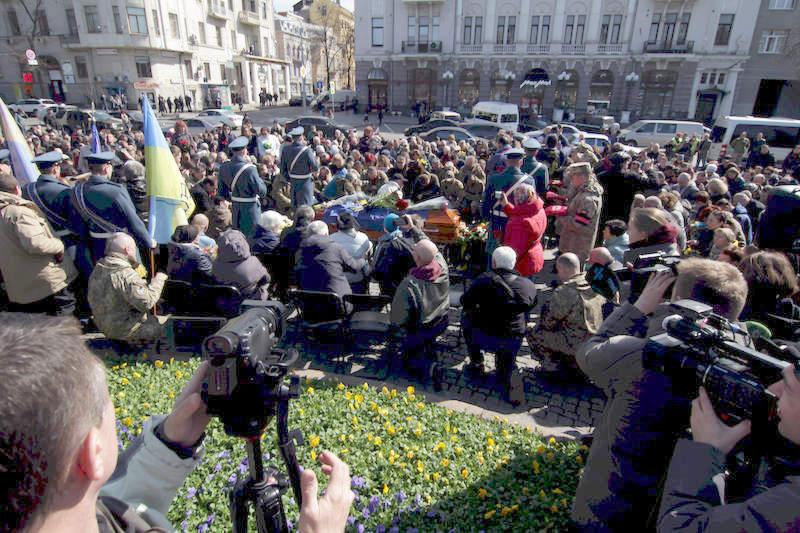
(258, 490)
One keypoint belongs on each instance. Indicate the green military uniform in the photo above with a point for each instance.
(573, 313)
(121, 300)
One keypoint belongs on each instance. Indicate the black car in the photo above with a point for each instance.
(326, 126)
(296, 101)
(446, 132)
(428, 126)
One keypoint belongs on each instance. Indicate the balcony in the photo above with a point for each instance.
(248, 17)
(471, 48)
(413, 47)
(610, 49)
(573, 49)
(218, 10)
(539, 49)
(666, 48)
(505, 49)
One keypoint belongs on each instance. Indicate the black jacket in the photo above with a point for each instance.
(321, 264)
(499, 310)
(202, 200)
(618, 191)
(392, 261)
(264, 241)
(187, 262)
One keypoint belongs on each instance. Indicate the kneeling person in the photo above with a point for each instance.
(120, 299)
(494, 327)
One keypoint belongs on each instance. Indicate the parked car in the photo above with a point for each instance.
(645, 132)
(446, 115)
(781, 134)
(501, 114)
(296, 101)
(487, 131)
(342, 100)
(444, 133)
(429, 125)
(229, 118)
(75, 118)
(33, 107)
(570, 132)
(325, 125)
(200, 125)
(136, 117)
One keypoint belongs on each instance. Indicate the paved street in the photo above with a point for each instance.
(265, 116)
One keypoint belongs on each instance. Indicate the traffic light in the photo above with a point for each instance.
(27, 77)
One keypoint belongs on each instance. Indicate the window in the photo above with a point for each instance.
(648, 127)
(92, 19)
(13, 22)
(201, 31)
(174, 27)
(72, 22)
(668, 31)
(724, 30)
(616, 28)
(654, 24)
(263, 9)
(412, 29)
(569, 29)
(377, 31)
(233, 39)
(501, 29)
(143, 67)
(207, 71)
(704, 77)
(117, 19)
(781, 4)
(712, 78)
(721, 78)
(669, 128)
(253, 8)
(223, 74)
(467, 37)
(605, 28)
(424, 28)
(156, 23)
(137, 20)
(435, 28)
(478, 35)
(776, 136)
(512, 30)
(544, 31)
(579, 29)
(41, 23)
(218, 33)
(773, 41)
(683, 28)
(187, 66)
(80, 68)
(534, 38)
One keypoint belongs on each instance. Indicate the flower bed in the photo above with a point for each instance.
(415, 465)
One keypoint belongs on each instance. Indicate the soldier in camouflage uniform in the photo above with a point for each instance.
(572, 315)
(120, 299)
(578, 229)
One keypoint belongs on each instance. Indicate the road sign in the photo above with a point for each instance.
(332, 87)
(30, 54)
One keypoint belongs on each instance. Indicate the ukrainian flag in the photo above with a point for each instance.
(21, 155)
(170, 201)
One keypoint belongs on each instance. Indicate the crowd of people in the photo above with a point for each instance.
(76, 243)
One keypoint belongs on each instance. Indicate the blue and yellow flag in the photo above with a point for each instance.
(96, 146)
(20, 155)
(170, 201)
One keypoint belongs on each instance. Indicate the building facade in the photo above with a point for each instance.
(334, 43)
(556, 60)
(769, 84)
(295, 38)
(169, 48)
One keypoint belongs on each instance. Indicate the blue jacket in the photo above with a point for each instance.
(742, 216)
(53, 199)
(188, 263)
(617, 246)
(264, 241)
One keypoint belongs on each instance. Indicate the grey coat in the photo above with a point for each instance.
(235, 266)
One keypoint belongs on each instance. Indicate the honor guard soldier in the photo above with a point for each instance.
(298, 163)
(506, 181)
(240, 183)
(53, 198)
(103, 208)
(534, 168)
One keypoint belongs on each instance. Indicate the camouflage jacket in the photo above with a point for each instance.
(120, 299)
(573, 314)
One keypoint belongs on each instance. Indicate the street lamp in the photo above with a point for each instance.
(447, 76)
(564, 76)
(630, 80)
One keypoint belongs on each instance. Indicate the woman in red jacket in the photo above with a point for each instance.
(527, 222)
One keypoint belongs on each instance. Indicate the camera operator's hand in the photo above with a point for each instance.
(188, 420)
(709, 429)
(653, 293)
(330, 512)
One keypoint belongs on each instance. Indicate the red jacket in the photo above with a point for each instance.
(526, 225)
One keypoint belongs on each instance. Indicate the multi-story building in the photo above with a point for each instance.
(770, 81)
(563, 59)
(295, 40)
(87, 48)
(334, 45)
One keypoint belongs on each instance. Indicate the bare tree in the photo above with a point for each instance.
(347, 35)
(325, 14)
(35, 31)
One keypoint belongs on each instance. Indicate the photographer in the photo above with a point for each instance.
(643, 417)
(58, 444)
(694, 493)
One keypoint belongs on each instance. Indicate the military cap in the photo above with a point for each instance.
(515, 153)
(297, 132)
(531, 144)
(101, 158)
(49, 159)
(239, 143)
(4, 154)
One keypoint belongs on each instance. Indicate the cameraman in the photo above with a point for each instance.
(58, 444)
(643, 417)
(694, 493)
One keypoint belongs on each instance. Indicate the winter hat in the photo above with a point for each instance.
(391, 222)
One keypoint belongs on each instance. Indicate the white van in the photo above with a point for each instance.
(499, 114)
(341, 100)
(644, 132)
(781, 134)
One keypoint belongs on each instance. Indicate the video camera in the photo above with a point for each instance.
(246, 388)
(647, 265)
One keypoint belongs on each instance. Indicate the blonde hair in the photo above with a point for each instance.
(714, 283)
(716, 187)
(649, 219)
(730, 236)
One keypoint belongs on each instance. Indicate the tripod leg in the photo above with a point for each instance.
(237, 500)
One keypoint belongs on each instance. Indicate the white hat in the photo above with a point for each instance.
(531, 144)
(297, 132)
(711, 167)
